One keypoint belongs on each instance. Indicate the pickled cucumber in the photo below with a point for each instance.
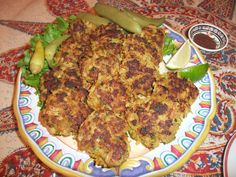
(37, 60)
(93, 18)
(119, 17)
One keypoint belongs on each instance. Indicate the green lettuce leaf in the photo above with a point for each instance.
(169, 47)
(51, 32)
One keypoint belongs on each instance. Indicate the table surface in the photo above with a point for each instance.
(21, 19)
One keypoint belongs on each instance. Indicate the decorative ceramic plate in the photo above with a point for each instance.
(62, 155)
(230, 158)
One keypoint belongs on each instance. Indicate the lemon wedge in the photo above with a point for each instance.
(181, 57)
(194, 73)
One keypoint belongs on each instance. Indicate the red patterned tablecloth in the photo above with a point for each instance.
(21, 19)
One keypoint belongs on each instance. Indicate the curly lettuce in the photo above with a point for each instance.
(52, 31)
(169, 47)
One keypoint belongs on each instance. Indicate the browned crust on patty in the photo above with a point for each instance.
(108, 94)
(104, 136)
(157, 118)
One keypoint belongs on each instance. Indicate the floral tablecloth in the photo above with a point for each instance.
(21, 19)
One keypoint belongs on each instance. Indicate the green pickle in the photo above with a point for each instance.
(119, 17)
(37, 60)
(51, 49)
(93, 18)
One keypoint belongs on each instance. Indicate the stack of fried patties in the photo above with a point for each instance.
(107, 87)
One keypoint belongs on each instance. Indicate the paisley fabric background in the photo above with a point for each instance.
(21, 19)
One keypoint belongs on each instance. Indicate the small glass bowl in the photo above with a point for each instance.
(217, 34)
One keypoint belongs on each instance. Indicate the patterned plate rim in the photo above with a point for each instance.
(69, 172)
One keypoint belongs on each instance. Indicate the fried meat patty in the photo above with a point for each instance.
(152, 120)
(103, 135)
(81, 30)
(104, 57)
(108, 94)
(155, 38)
(179, 90)
(157, 118)
(65, 100)
(138, 70)
(103, 66)
(61, 88)
(64, 112)
(138, 78)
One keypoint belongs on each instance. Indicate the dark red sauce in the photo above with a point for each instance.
(204, 41)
